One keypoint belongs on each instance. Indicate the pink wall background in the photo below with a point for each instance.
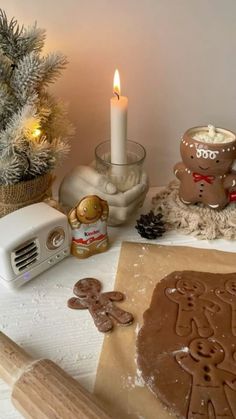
(177, 61)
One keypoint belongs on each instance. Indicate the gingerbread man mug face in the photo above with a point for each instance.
(207, 158)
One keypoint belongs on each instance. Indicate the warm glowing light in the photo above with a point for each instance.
(36, 133)
(116, 83)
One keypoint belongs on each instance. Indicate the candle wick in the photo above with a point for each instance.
(117, 95)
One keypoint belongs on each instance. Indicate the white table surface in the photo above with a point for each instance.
(36, 315)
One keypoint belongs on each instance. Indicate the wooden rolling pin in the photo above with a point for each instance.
(41, 389)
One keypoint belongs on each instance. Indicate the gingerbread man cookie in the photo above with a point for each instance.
(209, 379)
(191, 307)
(228, 295)
(100, 305)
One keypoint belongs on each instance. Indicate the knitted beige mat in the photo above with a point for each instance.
(197, 220)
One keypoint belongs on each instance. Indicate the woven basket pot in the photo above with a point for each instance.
(13, 197)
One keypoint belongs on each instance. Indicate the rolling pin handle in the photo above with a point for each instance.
(13, 360)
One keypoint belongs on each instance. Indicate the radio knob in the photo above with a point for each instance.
(55, 238)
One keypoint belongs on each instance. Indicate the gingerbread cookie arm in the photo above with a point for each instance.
(121, 316)
(228, 378)
(76, 303)
(179, 169)
(186, 362)
(173, 294)
(223, 295)
(209, 305)
(114, 295)
(230, 181)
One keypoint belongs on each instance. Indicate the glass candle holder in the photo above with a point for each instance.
(123, 176)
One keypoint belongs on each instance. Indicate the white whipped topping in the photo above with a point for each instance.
(212, 136)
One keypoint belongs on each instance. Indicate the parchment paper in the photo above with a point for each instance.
(141, 266)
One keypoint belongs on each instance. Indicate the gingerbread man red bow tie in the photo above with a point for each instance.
(198, 177)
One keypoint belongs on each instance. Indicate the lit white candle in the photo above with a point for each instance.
(119, 109)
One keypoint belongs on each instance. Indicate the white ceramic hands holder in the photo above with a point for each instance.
(124, 186)
(123, 176)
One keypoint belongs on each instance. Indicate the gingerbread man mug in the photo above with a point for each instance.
(205, 173)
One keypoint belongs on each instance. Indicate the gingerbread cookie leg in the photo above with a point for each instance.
(198, 407)
(121, 316)
(220, 403)
(183, 324)
(101, 319)
(203, 325)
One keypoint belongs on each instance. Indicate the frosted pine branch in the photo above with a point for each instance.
(18, 131)
(40, 157)
(10, 33)
(17, 41)
(60, 149)
(33, 73)
(34, 129)
(32, 39)
(53, 64)
(27, 76)
(5, 67)
(7, 104)
(56, 124)
(12, 170)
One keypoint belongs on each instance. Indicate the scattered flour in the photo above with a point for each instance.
(171, 290)
(184, 349)
(137, 329)
(138, 379)
(142, 290)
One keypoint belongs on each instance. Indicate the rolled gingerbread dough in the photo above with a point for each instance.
(186, 347)
(141, 267)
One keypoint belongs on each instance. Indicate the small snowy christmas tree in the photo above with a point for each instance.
(34, 130)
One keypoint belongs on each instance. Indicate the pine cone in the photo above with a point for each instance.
(150, 226)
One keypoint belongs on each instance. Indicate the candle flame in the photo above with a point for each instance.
(116, 84)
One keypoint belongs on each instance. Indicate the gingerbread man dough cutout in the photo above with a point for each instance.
(192, 308)
(100, 305)
(228, 295)
(208, 379)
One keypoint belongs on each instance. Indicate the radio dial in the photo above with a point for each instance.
(55, 238)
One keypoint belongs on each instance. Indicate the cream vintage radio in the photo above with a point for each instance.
(32, 239)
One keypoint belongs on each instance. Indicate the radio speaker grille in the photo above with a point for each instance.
(25, 255)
